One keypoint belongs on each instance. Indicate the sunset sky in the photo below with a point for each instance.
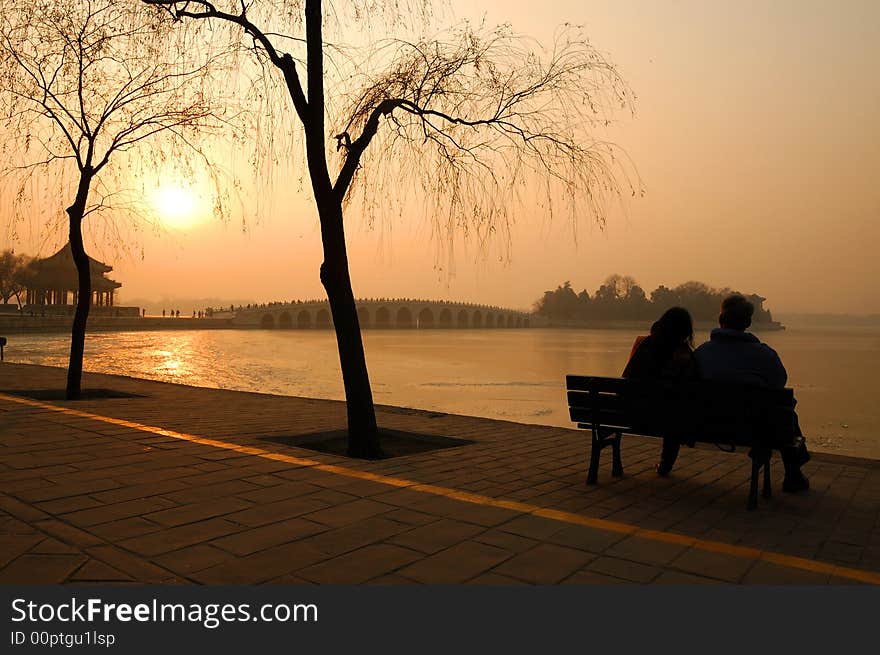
(756, 137)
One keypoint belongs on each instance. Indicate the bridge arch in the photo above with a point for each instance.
(462, 319)
(519, 321)
(445, 318)
(304, 320)
(510, 320)
(477, 319)
(404, 318)
(322, 320)
(267, 322)
(364, 317)
(490, 320)
(284, 321)
(426, 319)
(383, 318)
(526, 322)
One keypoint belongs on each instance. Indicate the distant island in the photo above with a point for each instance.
(620, 299)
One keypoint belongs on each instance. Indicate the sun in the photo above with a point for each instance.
(177, 206)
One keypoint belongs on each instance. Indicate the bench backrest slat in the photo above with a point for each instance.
(701, 410)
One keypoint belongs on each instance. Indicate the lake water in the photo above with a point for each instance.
(517, 375)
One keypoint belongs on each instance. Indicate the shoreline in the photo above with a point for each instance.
(868, 462)
(62, 324)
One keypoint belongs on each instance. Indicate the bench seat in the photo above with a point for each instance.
(729, 415)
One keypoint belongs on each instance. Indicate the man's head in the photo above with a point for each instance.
(736, 312)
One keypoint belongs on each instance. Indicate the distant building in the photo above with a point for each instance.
(53, 281)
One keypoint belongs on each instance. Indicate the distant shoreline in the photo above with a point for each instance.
(62, 324)
(774, 326)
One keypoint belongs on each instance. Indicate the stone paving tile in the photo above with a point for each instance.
(506, 540)
(358, 567)
(51, 546)
(356, 535)
(192, 558)
(40, 569)
(108, 513)
(250, 541)
(714, 565)
(97, 573)
(459, 563)
(592, 578)
(409, 517)
(11, 546)
(263, 514)
(584, 538)
(774, 574)
(185, 535)
(263, 566)
(544, 564)
(183, 514)
(625, 569)
(135, 491)
(494, 579)
(347, 513)
(67, 533)
(646, 551)
(282, 490)
(680, 578)
(436, 536)
(124, 529)
(534, 527)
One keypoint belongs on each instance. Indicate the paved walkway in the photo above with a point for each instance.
(180, 485)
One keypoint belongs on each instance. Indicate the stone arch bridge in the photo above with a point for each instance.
(383, 313)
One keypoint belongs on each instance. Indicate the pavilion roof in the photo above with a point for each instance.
(64, 259)
(59, 272)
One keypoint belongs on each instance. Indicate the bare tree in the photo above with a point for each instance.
(484, 116)
(85, 85)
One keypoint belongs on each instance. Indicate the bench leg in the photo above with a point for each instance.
(616, 463)
(593, 473)
(753, 483)
(767, 491)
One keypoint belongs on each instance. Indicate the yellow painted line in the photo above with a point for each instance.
(746, 552)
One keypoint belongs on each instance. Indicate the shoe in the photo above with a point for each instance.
(663, 470)
(794, 484)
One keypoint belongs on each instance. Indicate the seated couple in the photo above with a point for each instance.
(730, 355)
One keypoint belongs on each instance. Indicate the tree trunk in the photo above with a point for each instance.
(80, 258)
(363, 432)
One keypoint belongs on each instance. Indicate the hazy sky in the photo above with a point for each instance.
(756, 135)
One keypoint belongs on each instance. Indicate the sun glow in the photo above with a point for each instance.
(177, 206)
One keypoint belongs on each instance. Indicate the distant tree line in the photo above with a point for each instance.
(620, 298)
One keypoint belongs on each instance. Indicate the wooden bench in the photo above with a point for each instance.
(730, 415)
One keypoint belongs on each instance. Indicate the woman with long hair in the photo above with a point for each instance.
(665, 354)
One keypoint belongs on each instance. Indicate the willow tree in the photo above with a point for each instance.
(483, 118)
(85, 86)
